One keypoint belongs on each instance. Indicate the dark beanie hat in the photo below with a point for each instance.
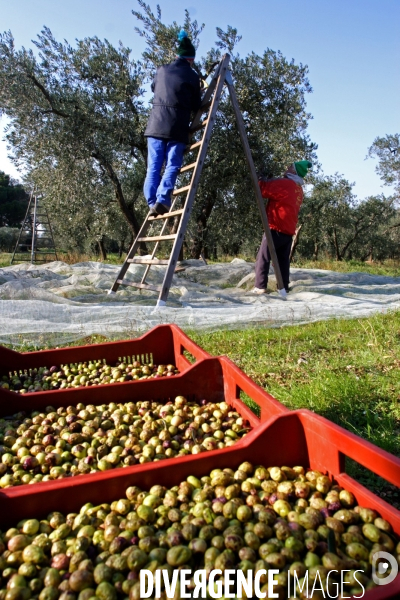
(185, 48)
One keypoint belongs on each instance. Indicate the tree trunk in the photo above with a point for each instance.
(316, 250)
(119, 195)
(338, 255)
(198, 246)
(102, 249)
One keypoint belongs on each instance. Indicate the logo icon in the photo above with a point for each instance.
(384, 568)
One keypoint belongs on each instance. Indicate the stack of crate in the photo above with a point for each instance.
(277, 437)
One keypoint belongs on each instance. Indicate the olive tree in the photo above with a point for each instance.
(78, 114)
(83, 103)
(333, 222)
(387, 151)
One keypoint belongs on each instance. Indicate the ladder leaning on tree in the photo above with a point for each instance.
(183, 210)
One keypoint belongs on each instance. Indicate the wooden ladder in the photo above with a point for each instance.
(35, 243)
(187, 194)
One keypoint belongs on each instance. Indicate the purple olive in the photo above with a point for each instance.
(118, 545)
(321, 548)
(134, 541)
(29, 462)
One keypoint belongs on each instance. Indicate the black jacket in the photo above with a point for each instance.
(176, 90)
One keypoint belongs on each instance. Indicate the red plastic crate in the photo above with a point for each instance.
(167, 343)
(294, 438)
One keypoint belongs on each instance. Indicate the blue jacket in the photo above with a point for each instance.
(176, 90)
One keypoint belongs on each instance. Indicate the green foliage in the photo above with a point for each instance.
(76, 118)
(161, 39)
(387, 151)
(335, 224)
(13, 202)
(8, 239)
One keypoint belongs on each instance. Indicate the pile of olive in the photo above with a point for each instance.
(84, 374)
(75, 440)
(251, 518)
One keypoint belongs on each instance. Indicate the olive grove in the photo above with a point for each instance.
(77, 116)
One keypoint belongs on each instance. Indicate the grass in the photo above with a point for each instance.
(70, 258)
(345, 370)
(389, 268)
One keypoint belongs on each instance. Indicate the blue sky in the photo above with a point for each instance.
(351, 47)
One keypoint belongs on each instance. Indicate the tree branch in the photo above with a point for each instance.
(47, 96)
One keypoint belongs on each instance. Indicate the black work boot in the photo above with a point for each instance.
(161, 209)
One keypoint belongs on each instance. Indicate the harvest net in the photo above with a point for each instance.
(58, 303)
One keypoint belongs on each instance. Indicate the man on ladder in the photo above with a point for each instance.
(184, 196)
(177, 94)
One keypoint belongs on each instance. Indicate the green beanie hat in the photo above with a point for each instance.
(302, 167)
(185, 48)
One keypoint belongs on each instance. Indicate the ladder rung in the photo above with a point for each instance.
(173, 213)
(188, 167)
(181, 190)
(196, 145)
(199, 126)
(142, 286)
(148, 261)
(157, 238)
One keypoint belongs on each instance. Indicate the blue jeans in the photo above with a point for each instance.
(157, 188)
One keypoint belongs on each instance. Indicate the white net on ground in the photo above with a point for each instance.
(57, 303)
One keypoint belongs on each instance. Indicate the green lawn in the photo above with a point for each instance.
(346, 370)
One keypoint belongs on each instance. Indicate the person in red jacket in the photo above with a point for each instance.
(284, 195)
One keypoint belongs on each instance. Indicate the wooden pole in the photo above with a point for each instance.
(254, 179)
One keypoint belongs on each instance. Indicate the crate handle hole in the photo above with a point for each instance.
(249, 402)
(189, 357)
